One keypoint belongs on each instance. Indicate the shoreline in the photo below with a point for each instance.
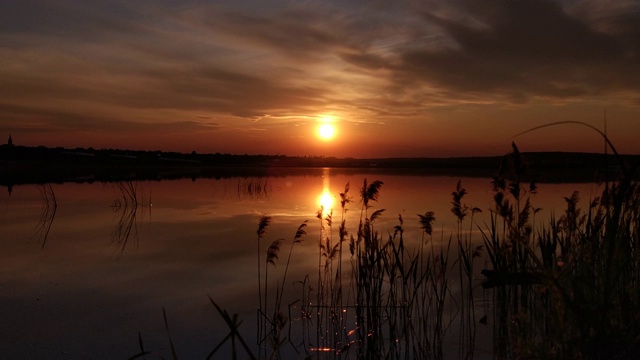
(21, 165)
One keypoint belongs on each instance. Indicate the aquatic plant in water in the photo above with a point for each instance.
(562, 289)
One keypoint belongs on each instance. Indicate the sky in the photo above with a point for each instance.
(394, 78)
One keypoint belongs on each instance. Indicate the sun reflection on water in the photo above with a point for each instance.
(325, 199)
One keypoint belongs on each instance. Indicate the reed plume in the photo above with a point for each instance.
(263, 224)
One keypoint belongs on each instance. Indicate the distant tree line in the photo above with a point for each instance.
(24, 164)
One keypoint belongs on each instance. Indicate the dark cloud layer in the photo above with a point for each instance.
(32, 121)
(528, 49)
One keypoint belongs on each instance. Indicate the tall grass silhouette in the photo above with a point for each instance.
(566, 288)
(562, 288)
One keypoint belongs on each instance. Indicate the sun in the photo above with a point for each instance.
(326, 131)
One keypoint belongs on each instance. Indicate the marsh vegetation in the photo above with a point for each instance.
(563, 287)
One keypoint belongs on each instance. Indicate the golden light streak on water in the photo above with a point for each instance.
(325, 199)
(324, 349)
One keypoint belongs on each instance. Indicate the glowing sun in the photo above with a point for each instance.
(326, 131)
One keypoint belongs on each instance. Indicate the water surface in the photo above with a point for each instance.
(81, 279)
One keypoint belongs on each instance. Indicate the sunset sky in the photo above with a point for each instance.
(395, 78)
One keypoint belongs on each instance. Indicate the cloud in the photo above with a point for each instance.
(30, 120)
(77, 20)
(163, 56)
(92, 64)
(122, 77)
(516, 51)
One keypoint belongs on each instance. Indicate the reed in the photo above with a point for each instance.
(548, 281)
(47, 214)
(561, 291)
(567, 289)
(252, 188)
(395, 300)
(264, 223)
(564, 288)
(130, 198)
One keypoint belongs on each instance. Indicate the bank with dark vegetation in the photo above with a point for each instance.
(24, 165)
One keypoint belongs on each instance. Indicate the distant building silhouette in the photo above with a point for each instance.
(10, 141)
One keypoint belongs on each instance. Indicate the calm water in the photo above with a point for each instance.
(106, 268)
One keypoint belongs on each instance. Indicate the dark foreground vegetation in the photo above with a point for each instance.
(566, 287)
(41, 165)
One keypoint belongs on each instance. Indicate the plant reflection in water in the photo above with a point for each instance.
(130, 197)
(47, 214)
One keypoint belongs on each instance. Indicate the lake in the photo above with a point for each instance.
(84, 275)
